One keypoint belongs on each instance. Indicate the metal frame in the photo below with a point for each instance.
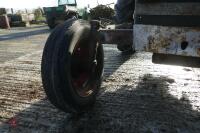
(166, 28)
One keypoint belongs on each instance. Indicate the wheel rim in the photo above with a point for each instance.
(83, 81)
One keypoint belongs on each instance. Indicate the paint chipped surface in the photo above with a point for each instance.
(167, 40)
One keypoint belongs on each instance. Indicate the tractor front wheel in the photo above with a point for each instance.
(72, 66)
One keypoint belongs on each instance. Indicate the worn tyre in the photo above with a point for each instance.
(126, 49)
(124, 11)
(71, 83)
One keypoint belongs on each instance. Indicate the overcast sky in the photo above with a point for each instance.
(43, 3)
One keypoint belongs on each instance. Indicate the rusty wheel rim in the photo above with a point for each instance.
(82, 80)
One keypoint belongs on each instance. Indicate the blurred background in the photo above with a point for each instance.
(43, 3)
(52, 12)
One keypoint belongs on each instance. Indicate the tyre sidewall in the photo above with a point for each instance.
(63, 55)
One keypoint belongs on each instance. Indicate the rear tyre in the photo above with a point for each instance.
(126, 49)
(70, 78)
(124, 11)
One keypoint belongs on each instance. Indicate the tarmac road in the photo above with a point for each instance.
(136, 96)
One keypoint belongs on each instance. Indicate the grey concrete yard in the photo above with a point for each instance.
(136, 96)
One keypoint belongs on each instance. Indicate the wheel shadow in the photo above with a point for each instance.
(145, 108)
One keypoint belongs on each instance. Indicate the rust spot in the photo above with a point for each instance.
(198, 51)
(196, 29)
(13, 122)
(156, 43)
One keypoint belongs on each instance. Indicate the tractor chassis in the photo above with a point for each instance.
(169, 45)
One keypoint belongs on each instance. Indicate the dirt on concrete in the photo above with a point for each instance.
(136, 96)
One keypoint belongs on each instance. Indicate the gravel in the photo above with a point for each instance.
(136, 96)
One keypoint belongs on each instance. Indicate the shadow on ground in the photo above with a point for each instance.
(146, 108)
(18, 35)
(31, 27)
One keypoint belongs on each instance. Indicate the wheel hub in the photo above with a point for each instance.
(83, 70)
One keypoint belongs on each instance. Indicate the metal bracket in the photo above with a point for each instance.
(117, 36)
